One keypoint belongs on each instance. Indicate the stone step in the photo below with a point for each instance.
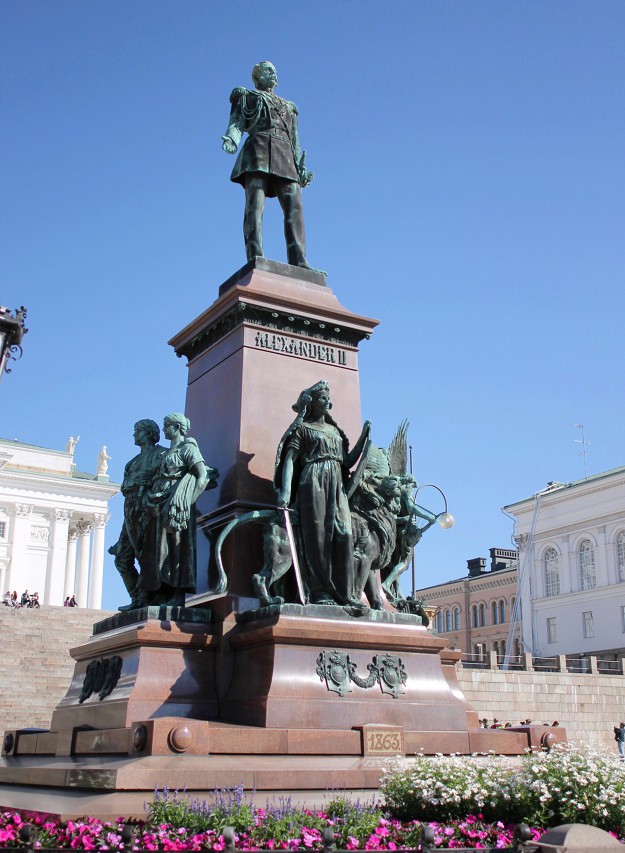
(37, 666)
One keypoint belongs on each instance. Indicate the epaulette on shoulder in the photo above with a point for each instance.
(293, 107)
(237, 93)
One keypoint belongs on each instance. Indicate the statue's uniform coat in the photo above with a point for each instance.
(272, 146)
(138, 476)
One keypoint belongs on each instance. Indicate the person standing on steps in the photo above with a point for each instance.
(619, 737)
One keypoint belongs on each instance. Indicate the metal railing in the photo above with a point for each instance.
(610, 667)
(573, 664)
(543, 664)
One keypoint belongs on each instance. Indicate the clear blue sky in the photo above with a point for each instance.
(469, 192)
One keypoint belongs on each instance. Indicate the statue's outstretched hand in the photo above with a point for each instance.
(228, 145)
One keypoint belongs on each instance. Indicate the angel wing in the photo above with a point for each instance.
(398, 450)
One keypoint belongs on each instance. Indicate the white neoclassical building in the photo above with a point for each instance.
(52, 523)
(571, 540)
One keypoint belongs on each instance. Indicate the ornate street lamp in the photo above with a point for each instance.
(12, 330)
(444, 518)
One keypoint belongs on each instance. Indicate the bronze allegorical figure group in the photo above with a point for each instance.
(347, 536)
(160, 487)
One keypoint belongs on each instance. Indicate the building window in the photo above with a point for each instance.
(496, 647)
(502, 611)
(479, 651)
(587, 575)
(3, 529)
(439, 622)
(552, 630)
(456, 618)
(448, 620)
(517, 647)
(482, 616)
(474, 619)
(494, 612)
(620, 557)
(589, 626)
(552, 572)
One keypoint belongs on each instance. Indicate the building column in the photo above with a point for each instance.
(538, 575)
(82, 569)
(3, 576)
(602, 567)
(18, 567)
(97, 561)
(70, 563)
(55, 575)
(566, 581)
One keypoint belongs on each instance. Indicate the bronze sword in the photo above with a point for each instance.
(291, 538)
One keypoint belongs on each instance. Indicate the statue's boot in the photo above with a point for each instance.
(134, 605)
(134, 594)
(144, 599)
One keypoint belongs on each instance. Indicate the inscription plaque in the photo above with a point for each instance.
(301, 349)
(382, 740)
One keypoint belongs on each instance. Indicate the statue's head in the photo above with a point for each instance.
(264, 76)
(147, 431)
(316, 392)
(390, 487)
(180, 422)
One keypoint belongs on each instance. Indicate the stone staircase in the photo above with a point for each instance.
(36, 665)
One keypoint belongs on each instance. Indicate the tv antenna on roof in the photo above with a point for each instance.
(584, 445)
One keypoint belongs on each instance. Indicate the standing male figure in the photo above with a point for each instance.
(139, 475)
(270, 163)
(619, 737)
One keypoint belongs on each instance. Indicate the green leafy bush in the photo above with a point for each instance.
(229, 808)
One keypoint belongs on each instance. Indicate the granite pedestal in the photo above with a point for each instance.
(221, 693)
(274, 330)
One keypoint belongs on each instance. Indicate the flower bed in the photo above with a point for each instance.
(467, 803)
(295, 829)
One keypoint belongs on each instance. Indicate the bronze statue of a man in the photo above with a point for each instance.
(139, 475)
(270, 163)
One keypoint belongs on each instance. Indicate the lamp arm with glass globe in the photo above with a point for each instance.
(444, 518)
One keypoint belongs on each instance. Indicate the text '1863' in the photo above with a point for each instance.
(383, 741)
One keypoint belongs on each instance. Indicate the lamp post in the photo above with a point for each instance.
(444, 518)
(12, 330)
